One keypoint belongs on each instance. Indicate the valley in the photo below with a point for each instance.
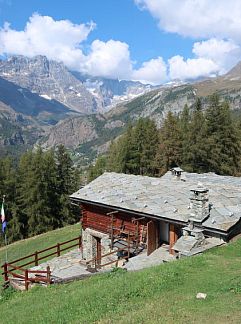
(43, 103)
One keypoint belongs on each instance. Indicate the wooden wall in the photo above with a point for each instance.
(95, 218)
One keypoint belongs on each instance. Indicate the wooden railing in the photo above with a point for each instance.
(98, 265)
(41, 276)
(14, 268)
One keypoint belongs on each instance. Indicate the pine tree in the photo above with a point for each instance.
(19, 224)
(223, 141)
(184, 126)
(170, 147)
(149, 148)
(8, 189)
(113, 161)
(195, 153)
(36, 203)
(120, 152)
(98, 168)
(36, 196)
(67, 183)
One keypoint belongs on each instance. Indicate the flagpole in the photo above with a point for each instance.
(6, 250)
(5, 237)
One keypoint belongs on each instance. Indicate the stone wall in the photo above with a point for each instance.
(89, 245)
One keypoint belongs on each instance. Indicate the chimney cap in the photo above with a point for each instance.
(177, 169)
(199, 188)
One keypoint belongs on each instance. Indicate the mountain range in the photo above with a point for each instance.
(43, 102)
(51, 80)
(37, 93)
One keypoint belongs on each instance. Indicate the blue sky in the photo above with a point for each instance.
(153, 41)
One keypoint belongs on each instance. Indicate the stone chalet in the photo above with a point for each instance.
(185, 212)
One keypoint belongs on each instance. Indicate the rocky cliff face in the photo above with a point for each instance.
(42, 93)
(109, 92)
(154, 104)
(21, 100)
(72, 132)
(90, 135)
(49, 79)
(53, 81)
(17, 131)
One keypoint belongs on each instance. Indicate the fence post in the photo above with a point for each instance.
(128, 245)
(58, 249)
(80, 242)
(48, 275)
(26, 279)
(36, 258)
(5, 267)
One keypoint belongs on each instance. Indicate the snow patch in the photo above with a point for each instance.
(45, 96)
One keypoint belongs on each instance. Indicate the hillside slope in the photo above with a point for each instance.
(105, 127)
(25, 117)
(163, 294)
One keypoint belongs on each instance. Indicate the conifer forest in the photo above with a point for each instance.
(36, 190)
(198, 140)
(37, 186)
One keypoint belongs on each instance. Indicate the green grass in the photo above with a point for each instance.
(22, 248)
(163, 294)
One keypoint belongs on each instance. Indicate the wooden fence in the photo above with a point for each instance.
(97, 260)
(19, 271)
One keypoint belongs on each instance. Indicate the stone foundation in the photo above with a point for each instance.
(89, 245)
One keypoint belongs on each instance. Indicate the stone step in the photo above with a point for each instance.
(143, 260)
(19, 284)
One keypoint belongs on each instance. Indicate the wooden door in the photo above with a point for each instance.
(172, 238)
(151, 237)
(98, 251)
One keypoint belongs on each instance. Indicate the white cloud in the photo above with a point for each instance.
(224, 53)
(217, 21)
(62, 41)
(212, 57)
(179, 69)
(108, 59)
(197, 18)
(153, 71)
(58, 40)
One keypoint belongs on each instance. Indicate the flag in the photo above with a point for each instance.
(3, 219)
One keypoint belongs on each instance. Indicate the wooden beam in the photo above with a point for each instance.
(137, 219)
(151, 237)
(112, 231)
(172, 238)
(113, 212)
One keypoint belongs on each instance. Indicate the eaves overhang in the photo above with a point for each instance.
(151, 216)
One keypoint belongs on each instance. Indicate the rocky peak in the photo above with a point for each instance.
(235, 72)
(50, 79)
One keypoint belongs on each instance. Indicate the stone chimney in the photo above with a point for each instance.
(199, 203)
(177, 173)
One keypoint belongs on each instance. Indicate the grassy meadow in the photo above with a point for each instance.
(162, 294)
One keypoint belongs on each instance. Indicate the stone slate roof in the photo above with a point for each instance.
(167, 197)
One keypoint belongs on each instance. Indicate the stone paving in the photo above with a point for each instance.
(68, 266)
(65, 266)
